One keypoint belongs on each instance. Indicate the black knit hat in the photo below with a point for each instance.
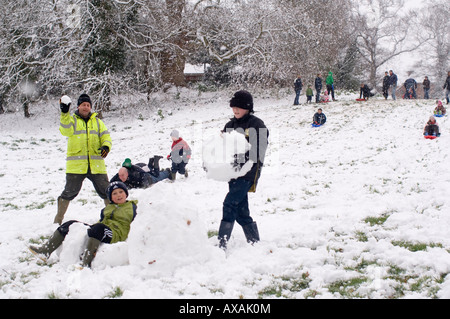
(242, 99)
(113, 186)
(84, 98)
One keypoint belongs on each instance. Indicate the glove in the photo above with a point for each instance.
(64, 107)
(104, 150)
(64, 103)
(169, 157)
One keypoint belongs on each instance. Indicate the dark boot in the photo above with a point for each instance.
(225, 230)
(50, 246)
(251, 232)
(156, 167)
(150, 163)
(91, 250)
(62, 208)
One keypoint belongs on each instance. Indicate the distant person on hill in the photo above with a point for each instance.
(298, 85)
(319, 118)
(365, 92)
(325, 97)
(330, 85)
(393, 82)
(318, 87)
(426, 88)
(440, 109)
(386, 84)
(309, 94)
(410, 89)
(432, 128)
(447, 88)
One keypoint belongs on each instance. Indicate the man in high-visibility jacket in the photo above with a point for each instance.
(89, 143)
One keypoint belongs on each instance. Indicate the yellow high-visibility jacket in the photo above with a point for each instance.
(84, 141)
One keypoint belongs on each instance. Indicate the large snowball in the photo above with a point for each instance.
(219, 154)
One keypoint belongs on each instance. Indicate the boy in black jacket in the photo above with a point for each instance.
(235, 205)
(319, 118)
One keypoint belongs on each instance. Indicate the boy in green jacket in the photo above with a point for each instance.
(330, 85)
(113, 227)
(309, 94)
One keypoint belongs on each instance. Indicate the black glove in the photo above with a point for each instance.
(104, 150)
(64, 107)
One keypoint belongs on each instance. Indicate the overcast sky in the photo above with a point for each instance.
(405, 62)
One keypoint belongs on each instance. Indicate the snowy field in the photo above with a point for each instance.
(358, 208)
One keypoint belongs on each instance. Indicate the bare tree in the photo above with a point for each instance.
(383, 29)
(436, 30)
(275, 40)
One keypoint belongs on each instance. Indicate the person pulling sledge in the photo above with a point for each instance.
(365, 92)
(410, 89)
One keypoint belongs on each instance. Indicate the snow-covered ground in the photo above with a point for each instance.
(358, 208)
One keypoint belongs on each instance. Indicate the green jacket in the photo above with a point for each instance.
(85, 139)
(309, 92)
(330, 79)
(118, 217)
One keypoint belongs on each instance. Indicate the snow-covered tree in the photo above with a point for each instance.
(273, 41)
(436, 31)
(383, 29)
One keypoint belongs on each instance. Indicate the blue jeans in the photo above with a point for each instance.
(297, 96)
(235, 205)
(426, 94)
(394, 89)
(162, 175)
(447, 93)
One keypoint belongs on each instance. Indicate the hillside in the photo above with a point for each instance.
(358, 208)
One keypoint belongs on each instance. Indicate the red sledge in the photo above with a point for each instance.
(361, 100)
(430, 137)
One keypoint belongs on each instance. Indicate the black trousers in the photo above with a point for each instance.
(98, 231)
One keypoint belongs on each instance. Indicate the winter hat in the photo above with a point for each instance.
(127, 163)
(242, 99)
(113, 186)
(84, 98)
(175, 134)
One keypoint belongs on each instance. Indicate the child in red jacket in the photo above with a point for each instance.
(180, 155)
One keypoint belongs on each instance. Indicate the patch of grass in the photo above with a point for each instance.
(415, 246)
(40, 205)
(376, 220)
(285, 285)
(11, 206)
(361, 236)
(116, 293)
(347, 288)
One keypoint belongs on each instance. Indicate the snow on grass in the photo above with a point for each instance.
(357, 208)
